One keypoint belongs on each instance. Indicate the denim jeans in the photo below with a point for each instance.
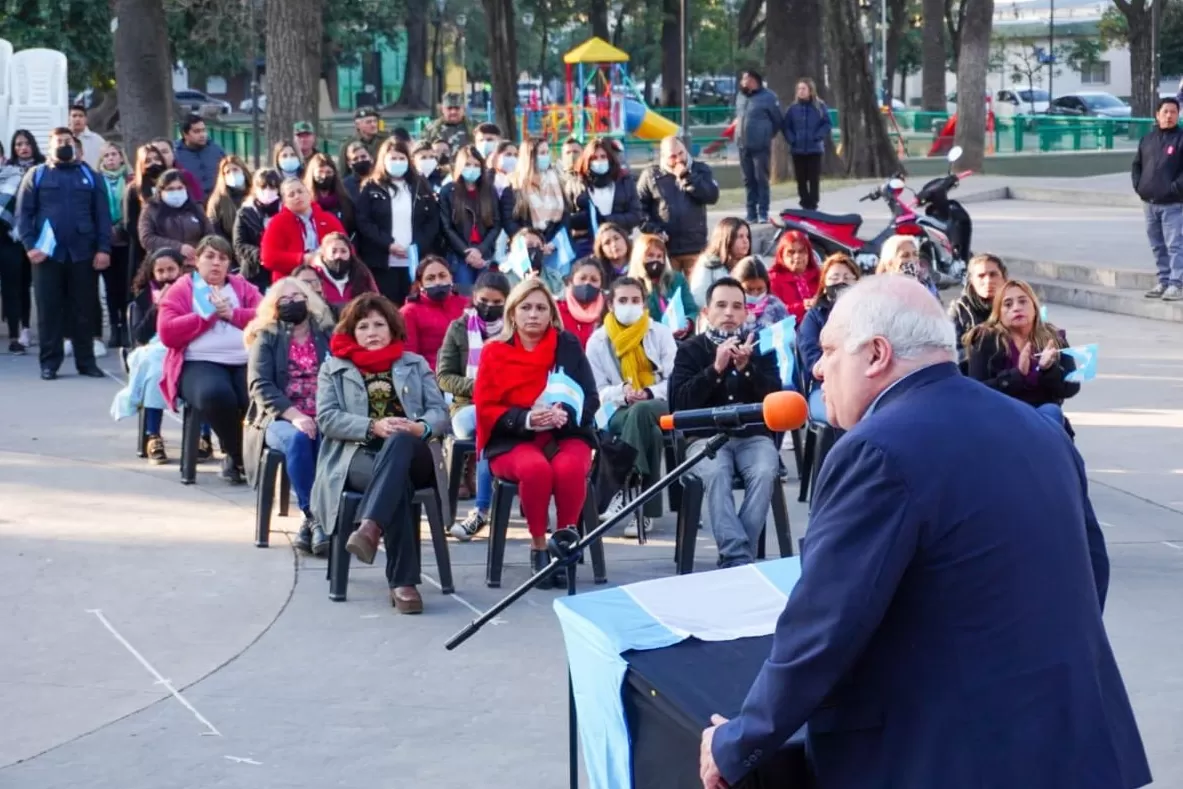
(817, 405)
(754, 167)
(299, 453)
(756, 461)
(464, 427)
(1164, 228)
(152, 419)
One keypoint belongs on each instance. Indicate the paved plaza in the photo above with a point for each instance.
(147, 644)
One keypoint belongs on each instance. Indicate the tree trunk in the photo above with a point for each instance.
(867, 151)
(797, 26)
(934, 57)
(597, 17)
(143, 71)
(503, 63)
(1143, 89)
(415, 76)
(897, 22)
(294, 34)
(972, 64)
(954, 24)
(673, 81)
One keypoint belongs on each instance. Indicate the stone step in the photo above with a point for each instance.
(1122, 301)
(1073, 274)
(1092, 197)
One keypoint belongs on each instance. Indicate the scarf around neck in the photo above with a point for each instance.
(343, 346)
(629, 344)
(478, 331)
(585, 313)
(520, 380)
(546, 201)
(719, 336)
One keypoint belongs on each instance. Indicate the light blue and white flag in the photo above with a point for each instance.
(1043, 312)
(517, 261)
(413, 260)
(605, 413)
(562, 389)
(779, 338)
(564, 255)
(1085, 357)
(202, 304)
(47, 242)
(675, 314)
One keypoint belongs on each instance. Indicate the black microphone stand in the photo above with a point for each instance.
(566, 549)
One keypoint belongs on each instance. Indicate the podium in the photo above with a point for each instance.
(651, 661)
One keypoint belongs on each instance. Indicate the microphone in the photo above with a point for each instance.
(780, 412)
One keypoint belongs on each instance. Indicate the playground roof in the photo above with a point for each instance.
(595, 50)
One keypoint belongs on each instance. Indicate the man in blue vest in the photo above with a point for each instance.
(65, 226)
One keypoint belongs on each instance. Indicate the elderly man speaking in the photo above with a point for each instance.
(946, 631)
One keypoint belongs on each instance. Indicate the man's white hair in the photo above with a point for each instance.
(898, 309)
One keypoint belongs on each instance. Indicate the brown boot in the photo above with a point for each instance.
(363, 543)
(468, 482)
(406, 600)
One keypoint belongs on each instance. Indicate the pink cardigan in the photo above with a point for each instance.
(177, 325)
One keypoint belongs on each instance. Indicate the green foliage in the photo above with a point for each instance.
(1081, 53)
(346, 37)
(213, 36)
(1113, 28)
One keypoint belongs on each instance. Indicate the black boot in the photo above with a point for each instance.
(538, 561)
(304, 536)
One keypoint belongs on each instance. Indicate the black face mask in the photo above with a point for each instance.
(489, 313)
(537, 256)
(324, 181)
(154, 170)
(64, 153)
(834, 291)
(362, 169)
(438, 292)
(586, 293)
(655, 268)
(293, 312)
(337, 266)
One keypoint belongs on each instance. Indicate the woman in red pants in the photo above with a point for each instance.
(528, 383)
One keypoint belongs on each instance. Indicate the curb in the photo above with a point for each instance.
(1089, 197)
(1073, 274)
(1104, 299)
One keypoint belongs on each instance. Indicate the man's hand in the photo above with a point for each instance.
(724, 354)
(708, 771)
(37, 256)
(743, 353)
(101, 261)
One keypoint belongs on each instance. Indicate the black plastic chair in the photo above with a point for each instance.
(457, 450)
(500, 509)
(190, 435)
(271, 465)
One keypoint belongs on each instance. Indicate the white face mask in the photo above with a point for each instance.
(627, 314)
(267, 196)
(426, 167)
(235, 179)
(175, 197)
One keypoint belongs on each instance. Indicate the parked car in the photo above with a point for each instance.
(1026, 101)
(247, 105)
(200, 103)
(1093, 104)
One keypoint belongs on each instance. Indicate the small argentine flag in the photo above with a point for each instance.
(1043, 312)
(605, 413)
(1085, 357)
(675, 314)
(779, 338)
(564, 390)
(518, 259)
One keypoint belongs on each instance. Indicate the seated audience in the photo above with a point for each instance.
(795, 274)
(342, 276)
(295, 233)
(900, 255)
(200, 320)
(431, 308)
(376, 407)
(532, 243)
(285, 157)
(543, 446)
(170, 220)
(309, 276)
(600, 191)
(456, 369)
(471, 217)
(255, 213)
(838, 273)
(722, 367)
(328, 189)
(613, 249)
(731, 242)
(582, 306)
(1018, 354)
(764, 308)
(632, 357)
(231, 188)
(985, 274)
(650, 264)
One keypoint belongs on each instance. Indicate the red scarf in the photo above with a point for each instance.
(343, 346)
(513, 377)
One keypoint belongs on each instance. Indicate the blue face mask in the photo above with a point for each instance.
(542, 162)
(486, 147)
(508, 163)
(754, 300)
(289, 164)
(396, 168)
(471, 173)
(599, 166)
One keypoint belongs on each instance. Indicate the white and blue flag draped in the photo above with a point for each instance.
(47, 241)
(675, 314)
(779, 338)
(1085, 357)
(562, 389)
(412, 260)
(605, 413)
(564, 255)
(202, 304)
(599, 627)
(517, 260)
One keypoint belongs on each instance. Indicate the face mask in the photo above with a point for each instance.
(586, 293)
(174, 198)
(471, 174)
(486, 147)
(654, 268)
(835, 291)
(599, 166)
(537, 256)
(754, 300)
(427, 167)
(508, 163)
(64, 153)
(324, 181)
(396, 168)
(293, 312)
(627, 314)
(490, 313)
(336, 265)
(289, 164)
(267, 196)
(542, 161)
(362, 169)
(438, 292)
(154, 170)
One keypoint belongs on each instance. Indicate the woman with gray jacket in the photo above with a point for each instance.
(287, 341)
(377, 406)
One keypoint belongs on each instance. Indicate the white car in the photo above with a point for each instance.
(200, 103)
(1026, 101)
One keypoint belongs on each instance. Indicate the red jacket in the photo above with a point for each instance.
(795, 289)
(427, 323)
(580, 329)
(339, 298)
(282, 248)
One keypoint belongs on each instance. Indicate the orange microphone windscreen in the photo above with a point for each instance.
(785, 411)
(666, 421)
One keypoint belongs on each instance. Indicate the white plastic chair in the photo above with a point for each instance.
(39, 120)
(5, 93)
(39, 77)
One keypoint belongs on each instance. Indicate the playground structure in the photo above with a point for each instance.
(601, 101)
(34, 94)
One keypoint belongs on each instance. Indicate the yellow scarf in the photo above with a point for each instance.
(628, 341)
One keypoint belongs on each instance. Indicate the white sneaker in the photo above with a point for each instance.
(1172, 293)
(100, 350)
(614, 506)
(24, 338)
(67, 348)
(631, 529)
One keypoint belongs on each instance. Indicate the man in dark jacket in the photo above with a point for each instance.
(757, 122)
(674, 197)
(64, 222)
(197, 154)
(722, 367)
(1158, 180)
(365, 122)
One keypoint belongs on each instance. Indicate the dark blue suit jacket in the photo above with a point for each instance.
(946, 631)
(73, 199)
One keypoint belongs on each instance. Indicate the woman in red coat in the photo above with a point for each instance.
(431, 307)
(795, 274)
(294, 235)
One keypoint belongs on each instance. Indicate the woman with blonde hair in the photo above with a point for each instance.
(838, 273)
(807, 125)
(650, 263)
(288, 340)
(539, 202)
